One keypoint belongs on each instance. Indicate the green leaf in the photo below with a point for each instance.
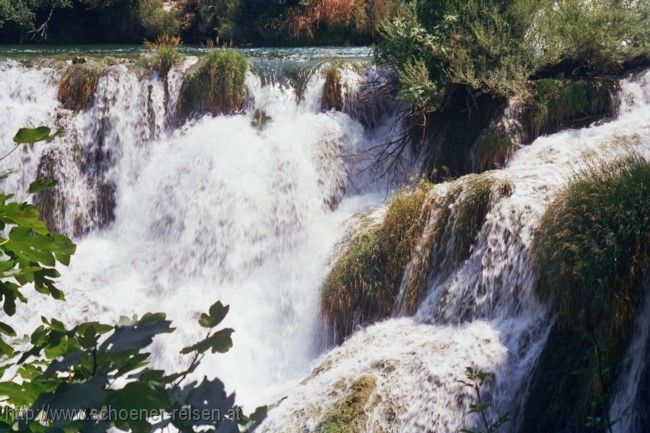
(40, 185)
(6, 349)
(219, 342)
(32, 135)
(7, 330)
(216, 315)
(139, 335)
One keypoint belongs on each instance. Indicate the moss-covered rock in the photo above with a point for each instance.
(469, 216)
(332, 89)
(557, 104)
(436, 211)
(78, 85)
(215, 85)
(349, 414)
(592, 251)
(364, 282)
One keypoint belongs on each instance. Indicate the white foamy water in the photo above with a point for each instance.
(483, 313)
(221, 208)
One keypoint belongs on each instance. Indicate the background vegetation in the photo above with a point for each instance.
(240, 22)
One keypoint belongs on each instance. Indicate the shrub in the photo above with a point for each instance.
(165, 50)
(216, 84)
(78, 85)
(598, 35)
(155, 19)
(349, 414)
(472, 43)
(364, 282)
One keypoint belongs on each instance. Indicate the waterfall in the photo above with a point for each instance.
(172, 218)
(480, 313)
(252, 208)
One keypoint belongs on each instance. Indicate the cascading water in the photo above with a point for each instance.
(481, 313)
(220, 208)
(250, 212)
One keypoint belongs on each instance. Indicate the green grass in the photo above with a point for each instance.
(349, 414)
(364, 282)
(216, 84)
(78, 85)
(165, 52)
(591, 252)
(491, 150)
(555, 104)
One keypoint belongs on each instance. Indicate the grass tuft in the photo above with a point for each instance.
(216, 84)
(491, 150)
(165, 51)
(468, 218)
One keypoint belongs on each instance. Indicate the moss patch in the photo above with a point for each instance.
(78, 85)
(216, 84)
(332, 90)
(364, 282)
(557, 104)
(349, 414)
(592, 250)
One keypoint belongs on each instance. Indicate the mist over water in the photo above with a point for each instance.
(225, 208)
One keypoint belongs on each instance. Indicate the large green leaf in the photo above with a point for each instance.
(216, 314)
(34, 135)
(40, 185)
(139, 335)
(219, 342)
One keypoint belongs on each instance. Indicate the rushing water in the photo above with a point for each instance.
(225, 208)
(219, 208)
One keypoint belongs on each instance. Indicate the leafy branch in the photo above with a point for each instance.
(476, 379)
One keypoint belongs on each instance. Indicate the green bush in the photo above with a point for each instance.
(216, 84)
(599, 35)
(495, 46)
(472, 43)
